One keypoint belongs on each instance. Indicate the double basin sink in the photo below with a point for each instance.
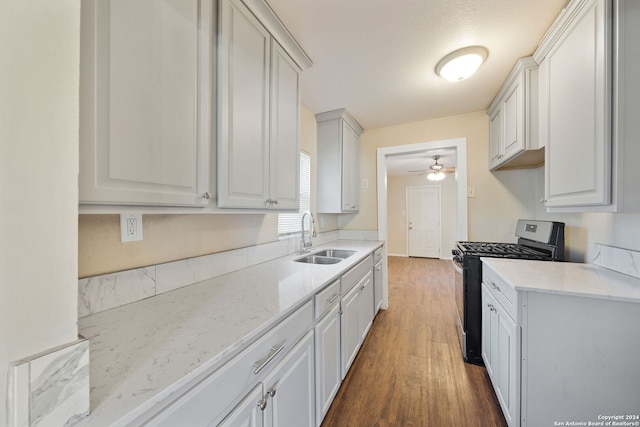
(327, 256)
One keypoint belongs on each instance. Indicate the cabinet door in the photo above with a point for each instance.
(327, 336)
(284, 143)
(377, 287)
(248, 413)
(145, 102)
(501, 355)
(496, 145)
(513, 116)
(290, 388)
(578, 152)
(488, 318)
(243, 131)
(365, 305)
(350, 169)
(505, 334)
(349, 330)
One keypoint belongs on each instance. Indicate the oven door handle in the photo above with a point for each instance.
(457, 266)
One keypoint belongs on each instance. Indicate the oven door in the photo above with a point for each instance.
(459, 295)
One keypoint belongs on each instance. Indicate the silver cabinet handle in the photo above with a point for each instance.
(262, 404)
(491, 307)
(271, 391)
(496, 287)
(333, 297)
(206, 195)
(379, 268)
(274, 201)
(273, 353)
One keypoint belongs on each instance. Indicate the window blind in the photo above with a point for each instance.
(290, 222)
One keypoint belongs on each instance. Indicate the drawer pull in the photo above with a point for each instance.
(271, 392)
(262, 404)
(333, 297)
(274, 352)
(496, 287)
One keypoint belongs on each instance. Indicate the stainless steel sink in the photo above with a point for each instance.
(327, 256)
(335, 253)
(315, 259)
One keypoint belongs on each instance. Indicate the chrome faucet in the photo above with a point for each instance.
(312, 232)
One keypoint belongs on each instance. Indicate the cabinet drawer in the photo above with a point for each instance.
(501, 291)
(377, 255)
(352, 276)
(209, 400)
(327, 298)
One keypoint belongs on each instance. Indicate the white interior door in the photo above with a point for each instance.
(423, 227)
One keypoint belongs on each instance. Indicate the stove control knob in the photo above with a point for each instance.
(455, 252)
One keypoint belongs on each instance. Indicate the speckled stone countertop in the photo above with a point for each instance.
(142, 353)
(566, 278)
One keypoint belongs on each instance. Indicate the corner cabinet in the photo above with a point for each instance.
(589, 98)
(513, 120)
(338, 162)
(258, 115)
(145, 97)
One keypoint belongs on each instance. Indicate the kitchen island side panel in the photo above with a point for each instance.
(580, 359)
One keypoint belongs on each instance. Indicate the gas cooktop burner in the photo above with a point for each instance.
(499, 249)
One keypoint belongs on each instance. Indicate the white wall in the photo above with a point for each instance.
(39, 57)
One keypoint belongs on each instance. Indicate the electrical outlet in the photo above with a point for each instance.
(365, 183)
(130, 227)
(471, 191)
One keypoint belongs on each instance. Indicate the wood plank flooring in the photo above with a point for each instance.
(409, 371)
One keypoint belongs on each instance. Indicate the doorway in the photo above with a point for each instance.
(460, 146)
(423, 222)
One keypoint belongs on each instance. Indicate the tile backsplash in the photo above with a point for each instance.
(99, 293)
(624, 261)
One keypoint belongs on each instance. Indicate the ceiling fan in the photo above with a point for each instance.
(436, 171)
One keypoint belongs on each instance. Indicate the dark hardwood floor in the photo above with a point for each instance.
(409, 371)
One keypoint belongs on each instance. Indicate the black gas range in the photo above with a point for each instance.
(537, 240)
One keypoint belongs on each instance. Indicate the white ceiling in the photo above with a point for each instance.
(376, 58)
(407, 164)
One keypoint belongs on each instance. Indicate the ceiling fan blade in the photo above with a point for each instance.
(448, 170)
(419, 170)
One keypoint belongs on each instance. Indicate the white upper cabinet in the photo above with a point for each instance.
(258, 114)
(338, 162)
(589, 107)
(145, 102)
(577, 109)
(513, 117)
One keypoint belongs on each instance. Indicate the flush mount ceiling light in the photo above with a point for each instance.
(462, 63)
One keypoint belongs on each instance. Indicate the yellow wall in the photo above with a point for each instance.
(501, 198)
(174, 237)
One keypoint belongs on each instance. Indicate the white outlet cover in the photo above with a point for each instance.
(135, 219)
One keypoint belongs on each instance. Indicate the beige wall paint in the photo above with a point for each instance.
(397, 204)
(39, 41)
(501, 197)
(173, 237)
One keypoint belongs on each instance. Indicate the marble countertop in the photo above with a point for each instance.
(567, 278)
(143, 352)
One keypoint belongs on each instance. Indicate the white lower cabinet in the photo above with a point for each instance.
(501, 354)
(377, 287)
(248, 413)
(290, 388)
(356, 319)
(349, 330)
(328, 378)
